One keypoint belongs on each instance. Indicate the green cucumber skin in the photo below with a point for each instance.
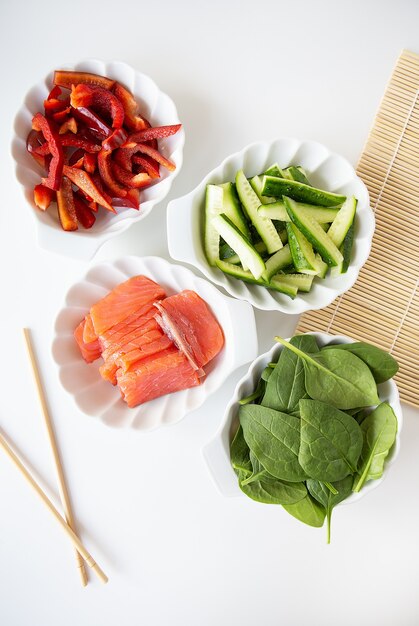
(232, 207)
(213, 207)
(247, 277)
(347, 247)
(239, 243)
(277, 211)
(330, 255)
(274, 170)
(297, 175)
(299, 192)
(299, 259)
(342, 223)
(303, 282)
(277, 261)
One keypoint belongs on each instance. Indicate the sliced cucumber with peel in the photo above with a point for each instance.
(213, 207)
(299, 192)
(274, 170)
(256, 183)
(240, 244)
(346, 250)
(302, 253)
(232, 208)
(277, 211)
(343, 221)
(277, 261)
(303, 282)
(279, 284)
(296, 173)
(314, 233)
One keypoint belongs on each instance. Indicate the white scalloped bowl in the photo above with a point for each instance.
(217, 452)
(157, 107)
(98, 398)
(185, 220)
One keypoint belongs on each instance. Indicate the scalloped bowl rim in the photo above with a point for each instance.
(274, 300)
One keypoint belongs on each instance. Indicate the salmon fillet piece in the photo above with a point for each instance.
(89, 334)
(124, 300)
(131, 323)
(131, 358)
(188, 321)
(156, 375)
(89, 351)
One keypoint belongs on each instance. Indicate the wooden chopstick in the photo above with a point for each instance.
(71, 534)
(64, 494)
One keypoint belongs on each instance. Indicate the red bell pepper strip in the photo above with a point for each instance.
(54, 93)
(148, 164)
(116, 139)
(52, 106)
(130, 180)
(65, 78)
(43, 196)
(105, 169)
(90, 162)
(55, 171)
(99, 184)
(69, 125)
(60, 116)
(85, 96)
(131, 200)
(66, 206)
(154, 154)
(158, 132)
(83, 180)
(34, 141)
(76, 157)
(92, 121)
(84, 214)
(133, 120)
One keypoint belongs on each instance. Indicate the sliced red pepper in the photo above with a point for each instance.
(158, 132)
(87, 96)
(92, 121)
(43, 196)
(154, 154)
(60, 116)
(105, 169)
(133, 120)
(41, 123)
(148, 164)
(131, 200)
(76, 157)
(69, 125)
(54, 93)
(66, 205)
(90, 162)
(137, 181)
(52, 106)
(84, 181)
(65, 78)
(93, 206)
(116, 139)
(99, 184)
(84, 214)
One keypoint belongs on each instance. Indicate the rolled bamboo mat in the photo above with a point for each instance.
(383, 305)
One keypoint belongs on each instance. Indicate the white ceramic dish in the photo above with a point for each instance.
(98, 398)
(326, 170)
(159, 110)
(217, 451)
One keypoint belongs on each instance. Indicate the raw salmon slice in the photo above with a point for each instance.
(89, 351)
(131, 358)
(155, 376)
(189, 322)
(144, 326)
(131, 323)
(124, 300)
(89, 334)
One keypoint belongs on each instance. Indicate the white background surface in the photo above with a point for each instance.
(177, 552)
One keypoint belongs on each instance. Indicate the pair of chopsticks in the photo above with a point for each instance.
(67, 524)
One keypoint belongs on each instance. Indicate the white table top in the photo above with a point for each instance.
(176, 551)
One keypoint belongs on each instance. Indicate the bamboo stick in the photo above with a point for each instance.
(70, 533)
(62, 485)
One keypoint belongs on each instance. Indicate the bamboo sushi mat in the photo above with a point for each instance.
(383, 305)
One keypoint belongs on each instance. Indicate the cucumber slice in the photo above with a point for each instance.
(346, 250)
(276, 262)
(304, 173)
(343, 221)
(277, 211)
(314, 233)
(302, 282)
(302, 252)
(298, 191)
(242, 246)
(322, 267)
(274, 170)
(296, 174)
(232, 208)
(213, 207)
(228, 254)
(277, 285)
(256, 183)
(251, 203)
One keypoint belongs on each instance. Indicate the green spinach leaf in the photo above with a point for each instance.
(239, 454)
(258, 393)
(331, 441)
(308, 511)
(286, 385)
(379, 429)
(274, 491)
(327, 499)
(337, 377)
(274, 438)
(382, 365)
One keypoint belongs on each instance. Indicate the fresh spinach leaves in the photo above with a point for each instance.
(327, 499)
(382, 365)
(308, 511)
